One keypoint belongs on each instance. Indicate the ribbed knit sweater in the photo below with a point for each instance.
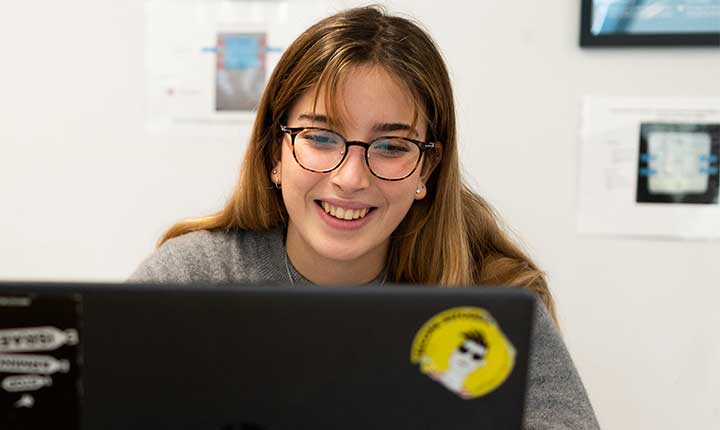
(556, 398)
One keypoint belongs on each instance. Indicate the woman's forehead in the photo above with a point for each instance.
(365, 97)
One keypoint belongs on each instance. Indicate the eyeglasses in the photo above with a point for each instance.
(388, 157)
(473, 356)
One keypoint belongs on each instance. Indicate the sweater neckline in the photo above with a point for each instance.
(296, 278)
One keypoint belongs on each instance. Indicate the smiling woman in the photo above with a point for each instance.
(352, 177)
(321, 243)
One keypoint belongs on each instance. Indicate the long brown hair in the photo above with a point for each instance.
(452, 237)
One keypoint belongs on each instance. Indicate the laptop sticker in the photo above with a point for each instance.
(25, 383)
(464, 350)
(40, 361)
(35, 339)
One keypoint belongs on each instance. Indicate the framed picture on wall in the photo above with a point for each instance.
(650, 23)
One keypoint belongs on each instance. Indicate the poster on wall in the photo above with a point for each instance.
(649, 167)
(206, 63)
(650, 22)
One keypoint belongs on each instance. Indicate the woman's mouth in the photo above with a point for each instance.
(344, 213)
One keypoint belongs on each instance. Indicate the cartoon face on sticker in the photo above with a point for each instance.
(464, 350)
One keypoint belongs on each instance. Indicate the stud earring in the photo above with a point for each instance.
(276, 180)
(417, 191)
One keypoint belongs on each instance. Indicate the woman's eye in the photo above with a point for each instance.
(320, 140)
(389, 148)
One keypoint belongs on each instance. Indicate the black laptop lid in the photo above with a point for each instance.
(240, 357)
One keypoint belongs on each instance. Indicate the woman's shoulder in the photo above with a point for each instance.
(556, 397)
(218, 241)
(199, 239)
(211, 256)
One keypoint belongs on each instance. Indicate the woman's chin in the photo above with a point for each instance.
(350, 251)
(342, 254)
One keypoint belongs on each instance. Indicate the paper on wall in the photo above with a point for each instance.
(649, 167)
(207, 62)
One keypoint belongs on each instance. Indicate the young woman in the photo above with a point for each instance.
(352, 177)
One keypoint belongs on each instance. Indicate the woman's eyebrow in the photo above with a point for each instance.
(380, 127)
(314, 117)
(395, 126)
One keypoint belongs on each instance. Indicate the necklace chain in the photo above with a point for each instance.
(292, 281)
(287, 268)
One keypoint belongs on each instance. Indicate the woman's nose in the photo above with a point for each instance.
(353, 174)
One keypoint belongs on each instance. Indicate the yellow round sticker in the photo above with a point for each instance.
(464, 350)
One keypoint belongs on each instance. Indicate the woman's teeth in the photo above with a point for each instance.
(345, 214)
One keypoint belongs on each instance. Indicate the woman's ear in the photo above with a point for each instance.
(277, 150)
(430, 162)
(276, 174)
(428, 166)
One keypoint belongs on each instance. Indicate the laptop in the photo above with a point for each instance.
(262, 357)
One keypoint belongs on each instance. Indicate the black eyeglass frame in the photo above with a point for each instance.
(294, 131)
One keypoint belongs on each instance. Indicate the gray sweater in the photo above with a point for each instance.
(556, 396)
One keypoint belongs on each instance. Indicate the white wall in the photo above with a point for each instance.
(85, 191)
